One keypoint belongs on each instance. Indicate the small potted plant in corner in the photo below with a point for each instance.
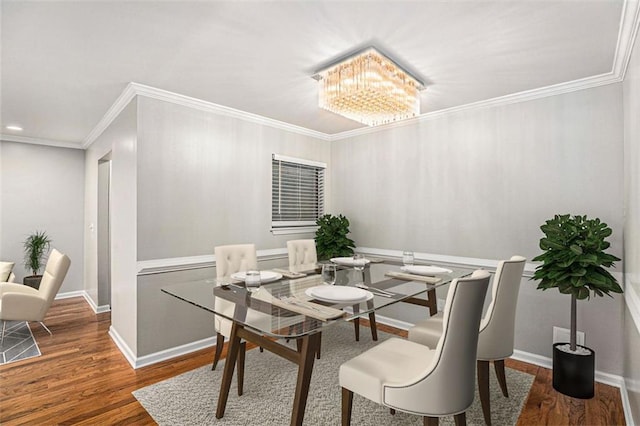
(36, 246)
(331, 237)
(574, 261)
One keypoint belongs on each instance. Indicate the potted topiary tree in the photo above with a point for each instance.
(36, 246)
(331, 237)
(574, 261)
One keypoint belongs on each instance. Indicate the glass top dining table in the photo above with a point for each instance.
(288, 308)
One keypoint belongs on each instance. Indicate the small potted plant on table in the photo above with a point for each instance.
(36, 246)
(574, 261)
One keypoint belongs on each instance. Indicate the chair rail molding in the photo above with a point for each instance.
(460, 261)
(173, 264)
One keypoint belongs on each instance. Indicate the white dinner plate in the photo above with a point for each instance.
(265, 276)
(338, 293)
(346, 261)
(425, 270)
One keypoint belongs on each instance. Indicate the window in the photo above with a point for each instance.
(297, 194)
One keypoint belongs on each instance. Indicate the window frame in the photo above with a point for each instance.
(279, 227)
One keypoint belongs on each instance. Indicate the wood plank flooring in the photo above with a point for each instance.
(82, 378)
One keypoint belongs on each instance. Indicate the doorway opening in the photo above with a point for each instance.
(104, 233)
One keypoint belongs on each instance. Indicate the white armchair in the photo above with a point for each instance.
(5, 272)
(495, 342)
(427, 381)
(23, 303)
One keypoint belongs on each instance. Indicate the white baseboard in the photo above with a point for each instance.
(96, 308)
(626, 405)
(154, 358)
(174, 352)
(70, 294)
(82, 293)
(122, 345)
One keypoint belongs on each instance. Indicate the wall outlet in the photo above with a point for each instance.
(561, 335)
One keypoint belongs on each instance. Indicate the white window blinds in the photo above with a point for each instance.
(297, 192)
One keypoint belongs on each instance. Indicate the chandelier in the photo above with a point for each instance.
(370, 88)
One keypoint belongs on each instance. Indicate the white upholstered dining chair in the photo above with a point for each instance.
(495, 341)
(229, 260)
(427, 381)
(303, 252)
(23, 303)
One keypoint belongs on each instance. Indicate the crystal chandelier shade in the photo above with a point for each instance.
(369, 88)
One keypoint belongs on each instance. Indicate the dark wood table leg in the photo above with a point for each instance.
(241, 356)
(230, 363)
(432, 302)
(374, 327)
(356, 328)
(310, 345)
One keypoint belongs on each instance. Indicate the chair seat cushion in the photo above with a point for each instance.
(392, 362)
(427, 332)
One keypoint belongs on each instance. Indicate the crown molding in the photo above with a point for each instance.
(36, 141)
(528, 95)
(123, 100)
(629, 24)
(199, 104)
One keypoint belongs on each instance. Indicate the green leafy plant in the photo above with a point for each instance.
(331, 237)
(35, 247)
(574, 260)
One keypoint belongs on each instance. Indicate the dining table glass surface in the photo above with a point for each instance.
(287, 308)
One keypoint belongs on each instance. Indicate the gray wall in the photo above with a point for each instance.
(205, 179)
(41, 188)
(632, 230)
(119, 139)
(479, 184)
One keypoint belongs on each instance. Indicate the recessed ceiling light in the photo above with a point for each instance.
(15, 128)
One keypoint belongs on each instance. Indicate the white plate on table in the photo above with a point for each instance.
(425, 270)
(265, 276)
(346, 261)
(339, 294)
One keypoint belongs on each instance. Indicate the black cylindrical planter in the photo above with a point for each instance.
(573, 374)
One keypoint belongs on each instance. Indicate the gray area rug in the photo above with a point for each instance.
(18, 343)
(191, 398)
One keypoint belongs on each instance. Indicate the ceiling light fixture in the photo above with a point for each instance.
(370, 88)
(14, 128)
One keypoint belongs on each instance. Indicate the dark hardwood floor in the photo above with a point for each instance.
(82, 378)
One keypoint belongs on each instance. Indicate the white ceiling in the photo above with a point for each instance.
(64, 63)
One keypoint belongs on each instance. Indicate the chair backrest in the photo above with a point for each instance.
(497, 326)
(235, 258)
(54, 273)
(447, 385)
(302, 252)
(5, 271)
